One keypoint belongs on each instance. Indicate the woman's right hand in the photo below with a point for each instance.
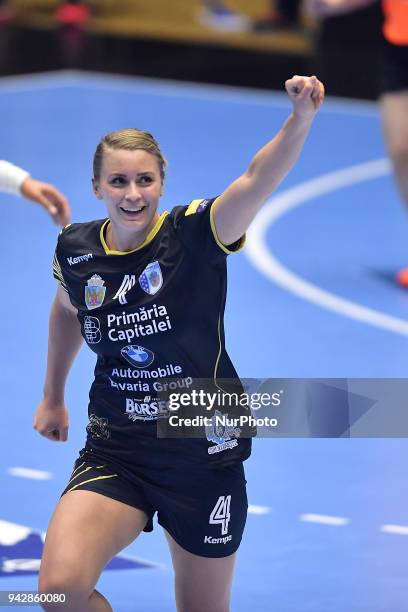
(51, 420)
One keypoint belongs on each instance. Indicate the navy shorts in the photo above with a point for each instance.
(204, 510)
(393, 68)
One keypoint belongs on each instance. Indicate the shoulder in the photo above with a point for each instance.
(196, 206)
(77, 234)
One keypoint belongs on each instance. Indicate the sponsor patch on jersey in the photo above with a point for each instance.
(137, 356)
(201, 207)
(129, 281)
(146, 410)
(98, 428)
(92, 330)
(76, 260)
(223, 435)
(94, 292)
(151, 279)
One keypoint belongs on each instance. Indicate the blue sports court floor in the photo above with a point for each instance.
(311, 296)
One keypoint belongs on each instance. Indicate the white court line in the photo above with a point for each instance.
(252, 509)
(261, 257)
(325, 519)
(173, 88)
(397, 529)
(23, 472)
(26, 565)
(11, 533)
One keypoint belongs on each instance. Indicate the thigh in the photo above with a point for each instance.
(205, 511)
(394, 114)
(201, 583)
(86, 530)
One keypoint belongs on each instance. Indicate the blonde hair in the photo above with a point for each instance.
(129, 139)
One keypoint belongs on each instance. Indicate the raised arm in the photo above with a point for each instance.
(64, 342)
(234, 210)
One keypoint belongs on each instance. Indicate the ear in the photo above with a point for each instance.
(95, 187)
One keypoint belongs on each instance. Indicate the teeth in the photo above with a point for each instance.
(132, 209)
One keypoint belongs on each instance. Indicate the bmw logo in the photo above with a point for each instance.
(137, 356)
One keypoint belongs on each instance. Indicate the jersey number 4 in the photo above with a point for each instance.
(221, 513)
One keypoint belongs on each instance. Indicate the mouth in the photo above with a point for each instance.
(132, 212)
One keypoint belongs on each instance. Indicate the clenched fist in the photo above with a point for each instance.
(51, 420)
(306, 93)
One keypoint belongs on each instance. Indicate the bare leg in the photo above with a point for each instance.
(85, 532)
(394, 113)
(202, 584)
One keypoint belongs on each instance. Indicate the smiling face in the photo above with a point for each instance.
(130, 184)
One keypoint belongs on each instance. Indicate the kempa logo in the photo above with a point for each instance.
(129, 281)
(74, 260)
(210, 540)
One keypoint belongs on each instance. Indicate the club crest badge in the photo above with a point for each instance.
(221, 434)
(151, 279)
(94, 292)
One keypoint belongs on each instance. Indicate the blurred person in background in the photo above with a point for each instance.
(72, 18)
(18, 182)
(282, 14)
(74, 12)
(215, 14)
(6, 12)
(392, 81)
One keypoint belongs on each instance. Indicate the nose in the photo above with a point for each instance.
(132, 193)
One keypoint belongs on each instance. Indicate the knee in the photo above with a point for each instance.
(64, 592)
(399, 155)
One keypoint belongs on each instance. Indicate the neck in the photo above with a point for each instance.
(122, 240)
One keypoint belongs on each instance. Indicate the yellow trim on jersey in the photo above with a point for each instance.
(59, 284)
(146, 241)
(192, 207)
(57, 273)
(90, 480)
(218, 241)
(65, 227)
(219, 351)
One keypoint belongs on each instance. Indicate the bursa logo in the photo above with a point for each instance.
(137, 356)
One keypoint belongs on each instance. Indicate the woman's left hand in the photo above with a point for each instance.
(306, 94)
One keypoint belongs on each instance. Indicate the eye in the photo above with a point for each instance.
(146, 180)
(117, 180)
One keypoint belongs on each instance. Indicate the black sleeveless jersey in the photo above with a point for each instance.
(151, 315)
